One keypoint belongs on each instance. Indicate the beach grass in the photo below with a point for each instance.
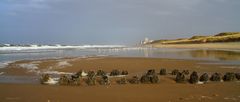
(221, 37)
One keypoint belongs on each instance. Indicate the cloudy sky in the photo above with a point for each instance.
(113, 21)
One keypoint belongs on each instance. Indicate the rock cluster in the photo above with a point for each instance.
(44, 78)
(216, 77)
(101, 73)
(180, 78)
(134, 80)
(91, 80)
(104, 80)
(186, 72)
(204, 77)
(175, 72)
(150, 77)
(194, 78)
(122, 81)
(124, 72)
(229, 76)
(115, 72)
(64, 80)
(163, 72)
(237, 76)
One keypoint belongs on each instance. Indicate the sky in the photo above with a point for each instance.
(113, 21)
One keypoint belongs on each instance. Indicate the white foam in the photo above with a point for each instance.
(51, 81)
(1, 73)
(63, 64)
(229, 98)
(118, 76)
(56, 72)
(199, 82)
(4, 64)
(35, 47)
(30, 66)
(83, 74)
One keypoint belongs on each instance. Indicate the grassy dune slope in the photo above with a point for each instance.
(221, 37)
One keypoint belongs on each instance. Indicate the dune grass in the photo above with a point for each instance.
(221, 37)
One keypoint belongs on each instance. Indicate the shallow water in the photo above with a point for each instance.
(231, 57)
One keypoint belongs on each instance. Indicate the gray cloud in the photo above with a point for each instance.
(113, 21)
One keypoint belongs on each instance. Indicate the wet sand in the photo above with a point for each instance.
(166, 91)
(226, 46)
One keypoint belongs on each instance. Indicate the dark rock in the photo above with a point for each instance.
(44, 78)
(149, 78)
(101, 73)
(237, 76)
(175, 72)
(115, 72)
(180, 78)
(104, 80)
(204, 77)
(151, 72)
(216, 77)
(91, 74)
(186, 72)
(75, 76)
(79, 73)
(163, 72)
(229, 76)
(122, 81)
(91, 81)
(64, 80)
(194, 78)
(154, 79)
(145, 79)
(74, 82)
(124, 72)
(134, 80)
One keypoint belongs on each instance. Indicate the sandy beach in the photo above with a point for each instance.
(167, 90)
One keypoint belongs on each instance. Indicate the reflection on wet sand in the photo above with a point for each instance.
(213, 54)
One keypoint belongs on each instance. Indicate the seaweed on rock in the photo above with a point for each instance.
(216, 77)
(237, 76)
(229, 76)
(124, 72)
(186, 72)
(115, 72)
(194, 78)
(64, 80)
(134, 80)
(175, 72)
(101, 73)
(122, 81)
(44, 78)
(180, 78)
(163, 72)
(104, 80)
(204, 77)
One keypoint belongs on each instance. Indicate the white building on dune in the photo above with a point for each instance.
(146, 41)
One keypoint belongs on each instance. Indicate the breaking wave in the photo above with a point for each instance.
(8, 47)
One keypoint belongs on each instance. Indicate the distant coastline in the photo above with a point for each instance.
(217, 38)
(224, 40)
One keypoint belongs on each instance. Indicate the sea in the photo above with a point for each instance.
(10, 53)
